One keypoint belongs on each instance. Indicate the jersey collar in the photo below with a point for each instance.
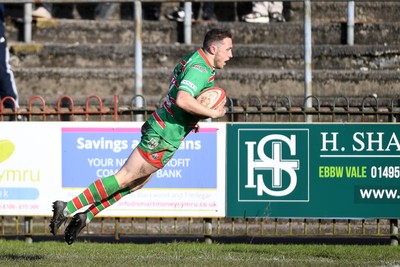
(203, 55)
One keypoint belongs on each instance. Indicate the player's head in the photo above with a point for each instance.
(218, 43)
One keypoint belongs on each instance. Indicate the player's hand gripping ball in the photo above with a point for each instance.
(212, 97)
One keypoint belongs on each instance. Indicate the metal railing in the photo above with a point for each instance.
(341, 108)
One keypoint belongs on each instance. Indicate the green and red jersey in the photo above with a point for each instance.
(193, 75)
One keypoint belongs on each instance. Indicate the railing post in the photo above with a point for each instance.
(28, 22)
(394, 231)
(207, 230)
(117, 234)
(138, 57)
(27, 229)
(350, 23)
(307, 57)
(188, 23)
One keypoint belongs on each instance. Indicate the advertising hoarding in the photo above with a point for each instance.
(313, 170)
(45, 161)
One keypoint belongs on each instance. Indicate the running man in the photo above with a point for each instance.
(162, 134)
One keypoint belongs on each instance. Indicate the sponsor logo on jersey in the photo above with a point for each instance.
(189, 84)
(198, 67)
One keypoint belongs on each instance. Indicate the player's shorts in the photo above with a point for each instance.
(153, 148)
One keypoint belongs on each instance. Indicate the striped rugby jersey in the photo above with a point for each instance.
(193, 75)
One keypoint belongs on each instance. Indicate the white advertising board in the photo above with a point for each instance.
(41, 162)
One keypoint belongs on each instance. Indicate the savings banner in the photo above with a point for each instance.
(313, 170)
(45, 161)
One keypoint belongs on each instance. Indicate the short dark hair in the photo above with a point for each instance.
(215, 35)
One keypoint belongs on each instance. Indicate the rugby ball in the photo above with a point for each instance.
(211, 97)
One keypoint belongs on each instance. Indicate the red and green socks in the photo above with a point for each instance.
(99, 206)
(99, 190)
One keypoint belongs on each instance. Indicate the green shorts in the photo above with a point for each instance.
(154, 148)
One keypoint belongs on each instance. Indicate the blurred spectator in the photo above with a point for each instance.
(264, 12)
(8, 87)
(208, 12)
(99, 11)
(104, 10)
(42, 11)
(85, 10)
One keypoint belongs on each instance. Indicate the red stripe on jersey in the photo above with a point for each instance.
(88, 195)
(174, 81)
(211, 78)
(158, 120)
(100, 188)
(77, 203)
(183, 65)
(168, 109)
